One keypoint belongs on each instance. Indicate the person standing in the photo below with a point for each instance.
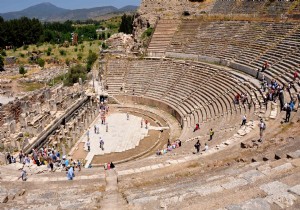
(288, 113)
(127, 116)
(88, 144)
(101, 142)
(211, 133)
(262, 127)
(244, 120)
(70, 173)
(79, 165)
(197, 146)
(23, 175)
(88, 135)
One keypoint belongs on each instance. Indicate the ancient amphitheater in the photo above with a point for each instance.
(201, 55)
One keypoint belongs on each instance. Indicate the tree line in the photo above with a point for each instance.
(25, 31)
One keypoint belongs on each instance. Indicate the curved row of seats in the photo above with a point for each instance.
(269, 8)
(242, 42)
(200, 93)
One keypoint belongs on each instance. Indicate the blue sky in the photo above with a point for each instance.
(16, 5)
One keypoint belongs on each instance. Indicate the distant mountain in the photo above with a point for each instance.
(50, 12)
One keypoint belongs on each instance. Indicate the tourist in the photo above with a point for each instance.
(265, 66)
(21, 156)
(179, 142)
(292, 105)
(101, 143)
(197, 127)
(158, 152)
(95, 129)
(112, 165)
(88, 144)
(262, 127)
(88, 134)
(257, 73)
(26, 160)
(169, 143)
(205, 147)
(146, 124)
(288, 114)
(211, 133)
(197, 146)
(57, 155)
(79, 165)
(106, 127)
(296, 75)
(244, 120)
(8, 157)
(281, 98)
(51, 165)
(66, 162)
(23, 175)
(127, 116)
(142, 123)
(70, 173)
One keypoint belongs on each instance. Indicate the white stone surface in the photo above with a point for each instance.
(122, 135)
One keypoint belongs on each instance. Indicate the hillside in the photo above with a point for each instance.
(50, 12)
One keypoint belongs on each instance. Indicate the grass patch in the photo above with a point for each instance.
(32, 86)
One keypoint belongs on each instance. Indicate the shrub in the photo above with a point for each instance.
(3, 53)
(22, 70)
(41, 62)
(62, 52)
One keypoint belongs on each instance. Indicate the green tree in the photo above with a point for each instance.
(22, 70)
(126, 24)
(91, 59)
(74, 74)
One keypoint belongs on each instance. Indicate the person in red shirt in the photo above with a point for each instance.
(296, 75)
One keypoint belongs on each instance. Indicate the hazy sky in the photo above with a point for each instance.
(16, 5)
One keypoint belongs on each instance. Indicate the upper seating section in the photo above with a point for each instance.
(243, 42)
(264, 8)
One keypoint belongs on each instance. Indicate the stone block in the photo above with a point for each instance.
(257, 204)
(252, 175)
(235, 183)
(294, 155)
(284, 200)
(275, 187)
(206, 190)
(295, 190)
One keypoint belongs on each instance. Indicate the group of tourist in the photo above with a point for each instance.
(45, 156)
(274, 91)
(241, 98)
(170, 147)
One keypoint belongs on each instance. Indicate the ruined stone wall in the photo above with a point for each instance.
(152, 10)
